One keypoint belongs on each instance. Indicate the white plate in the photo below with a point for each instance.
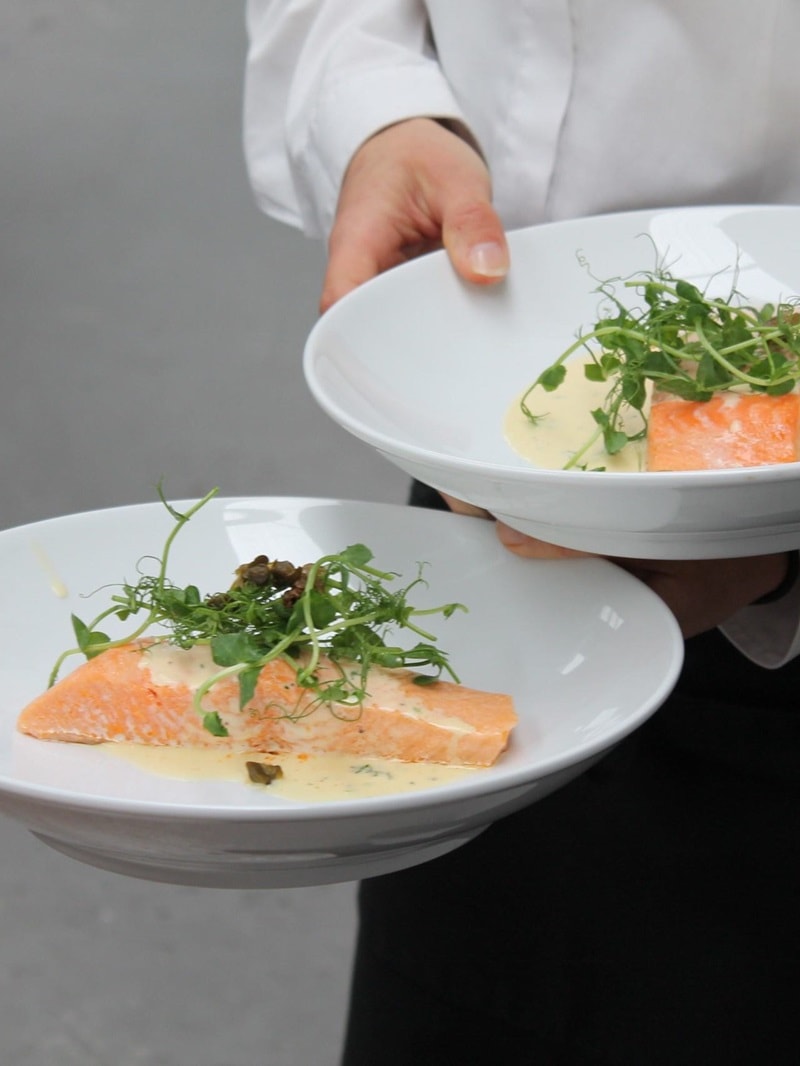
(587, 652)
(424, 368)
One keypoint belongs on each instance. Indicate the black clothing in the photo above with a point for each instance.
(646, 914)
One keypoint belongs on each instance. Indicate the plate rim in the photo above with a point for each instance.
(777, 472)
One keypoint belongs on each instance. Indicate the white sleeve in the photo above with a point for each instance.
(321, 77)
(768, 635)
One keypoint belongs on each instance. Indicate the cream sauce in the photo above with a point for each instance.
(57, 586)
(306, 778)
(567, 424)
(171, 665)
(386, 690)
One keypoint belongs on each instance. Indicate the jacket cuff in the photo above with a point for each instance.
(347, 114)
(768, 632)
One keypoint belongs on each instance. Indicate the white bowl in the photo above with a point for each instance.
(424, 368)
(587, 652)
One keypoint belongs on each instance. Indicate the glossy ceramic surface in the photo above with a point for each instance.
(423, 368)
(587, 652)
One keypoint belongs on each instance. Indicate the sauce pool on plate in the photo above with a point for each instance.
(305, 778)
(567, 424)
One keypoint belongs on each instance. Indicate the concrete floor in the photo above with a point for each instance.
(153, 324)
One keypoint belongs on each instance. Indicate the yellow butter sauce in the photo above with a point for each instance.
(57, 586)
(567, 423)
(305, 778)
(170, 665)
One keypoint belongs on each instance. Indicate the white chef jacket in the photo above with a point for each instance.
(578, 106)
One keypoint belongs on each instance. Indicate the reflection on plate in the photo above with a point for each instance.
(587, 652)
(424, 368)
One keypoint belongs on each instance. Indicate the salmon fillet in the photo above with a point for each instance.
(729, 430)
(142, 693)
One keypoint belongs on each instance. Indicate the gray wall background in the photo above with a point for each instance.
(152, 319)
(152, 324)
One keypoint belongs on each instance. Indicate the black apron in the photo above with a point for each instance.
(647, 914)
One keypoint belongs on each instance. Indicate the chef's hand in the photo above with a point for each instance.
(702, 593)
(416, 186)
(411, 188)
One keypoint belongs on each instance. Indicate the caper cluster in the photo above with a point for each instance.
(264, 572)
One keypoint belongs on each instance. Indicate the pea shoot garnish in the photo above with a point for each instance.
(679, 341)
(338, 607)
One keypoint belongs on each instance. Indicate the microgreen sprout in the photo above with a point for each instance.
(679, 341)
(338, 608)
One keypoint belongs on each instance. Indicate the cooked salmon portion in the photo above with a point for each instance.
(729, 430)
(142, 693)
